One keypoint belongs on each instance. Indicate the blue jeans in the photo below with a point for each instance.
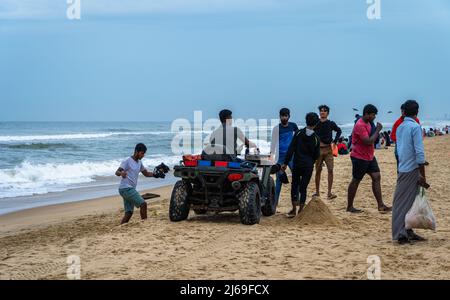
(278, 181)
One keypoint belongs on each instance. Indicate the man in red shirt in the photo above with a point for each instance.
(363, 159)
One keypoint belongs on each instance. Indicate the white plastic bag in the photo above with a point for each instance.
(420, 215)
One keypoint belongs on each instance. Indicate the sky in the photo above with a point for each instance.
(159, 60)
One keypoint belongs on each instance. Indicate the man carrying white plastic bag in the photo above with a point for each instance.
(411, 174)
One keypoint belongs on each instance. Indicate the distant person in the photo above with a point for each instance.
(129, 171)
(446, 129)
(387, 139)
(304, 150)
(411, 172)
(342, 147)
(228, 136)
(282, 136)
(363, 159)
(431, 133)
(424, 133)
(324, 130)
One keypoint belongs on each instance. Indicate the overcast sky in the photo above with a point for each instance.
(162, 59)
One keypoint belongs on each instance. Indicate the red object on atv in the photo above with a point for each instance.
(221, 164)
(191, 160)
(235, 177)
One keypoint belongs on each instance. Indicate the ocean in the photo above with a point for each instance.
(45, 163)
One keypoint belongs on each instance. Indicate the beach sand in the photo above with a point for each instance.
(35, 244)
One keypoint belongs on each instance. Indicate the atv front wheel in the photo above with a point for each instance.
(179, 205)
(270, 206)
(250, 204)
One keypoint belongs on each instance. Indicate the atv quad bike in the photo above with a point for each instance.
(220, 183)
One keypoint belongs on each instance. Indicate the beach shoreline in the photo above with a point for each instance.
(46, 215)
(199, 248)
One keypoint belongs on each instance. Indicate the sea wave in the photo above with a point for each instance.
(38, 146)
(73, 136)
(29, 178)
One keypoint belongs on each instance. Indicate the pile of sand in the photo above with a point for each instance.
(316, 212)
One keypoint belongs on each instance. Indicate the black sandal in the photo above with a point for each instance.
(354, 210)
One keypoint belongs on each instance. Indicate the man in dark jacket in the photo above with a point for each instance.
(305, 148)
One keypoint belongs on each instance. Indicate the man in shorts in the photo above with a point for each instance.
(129, 171)
(363, 159)
(324, 130)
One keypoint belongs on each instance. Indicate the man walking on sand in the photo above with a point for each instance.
(411, 172)
(129, 171)
(324, 130)
(363, 159)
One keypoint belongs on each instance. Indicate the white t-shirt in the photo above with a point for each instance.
(133, 168)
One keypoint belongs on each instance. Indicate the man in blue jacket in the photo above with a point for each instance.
(282, 136)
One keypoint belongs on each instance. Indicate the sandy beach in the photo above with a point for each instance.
(35, 243)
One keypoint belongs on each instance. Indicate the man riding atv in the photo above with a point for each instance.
(219, 181)
(227, 136)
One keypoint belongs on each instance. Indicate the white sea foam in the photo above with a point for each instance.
(29, 178)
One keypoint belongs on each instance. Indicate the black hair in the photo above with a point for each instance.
(411, 108)
(140, 148)
(285, 111)
(312, 119)
(324, 107)
(370, 109)
(402, 107)
(225, 115)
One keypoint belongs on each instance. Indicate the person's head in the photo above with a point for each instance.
(411, 108)
(225, 115)
(285, 115)
(389, 132)
(312, 119)
(324, 111)
(341, 139)
(402, 110)
(140, 150)
(370, 113)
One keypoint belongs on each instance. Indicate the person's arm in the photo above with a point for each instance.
(121, 170)
(121, 173)
(338, 132)
(373, 138)
(290, 152)
(145, 172)
(316, 152)
(420, 155)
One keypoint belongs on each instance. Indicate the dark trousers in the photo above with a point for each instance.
(300, 182)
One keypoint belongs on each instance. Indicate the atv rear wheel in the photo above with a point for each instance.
(179, 205)
(270, 207)
(250, 204)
